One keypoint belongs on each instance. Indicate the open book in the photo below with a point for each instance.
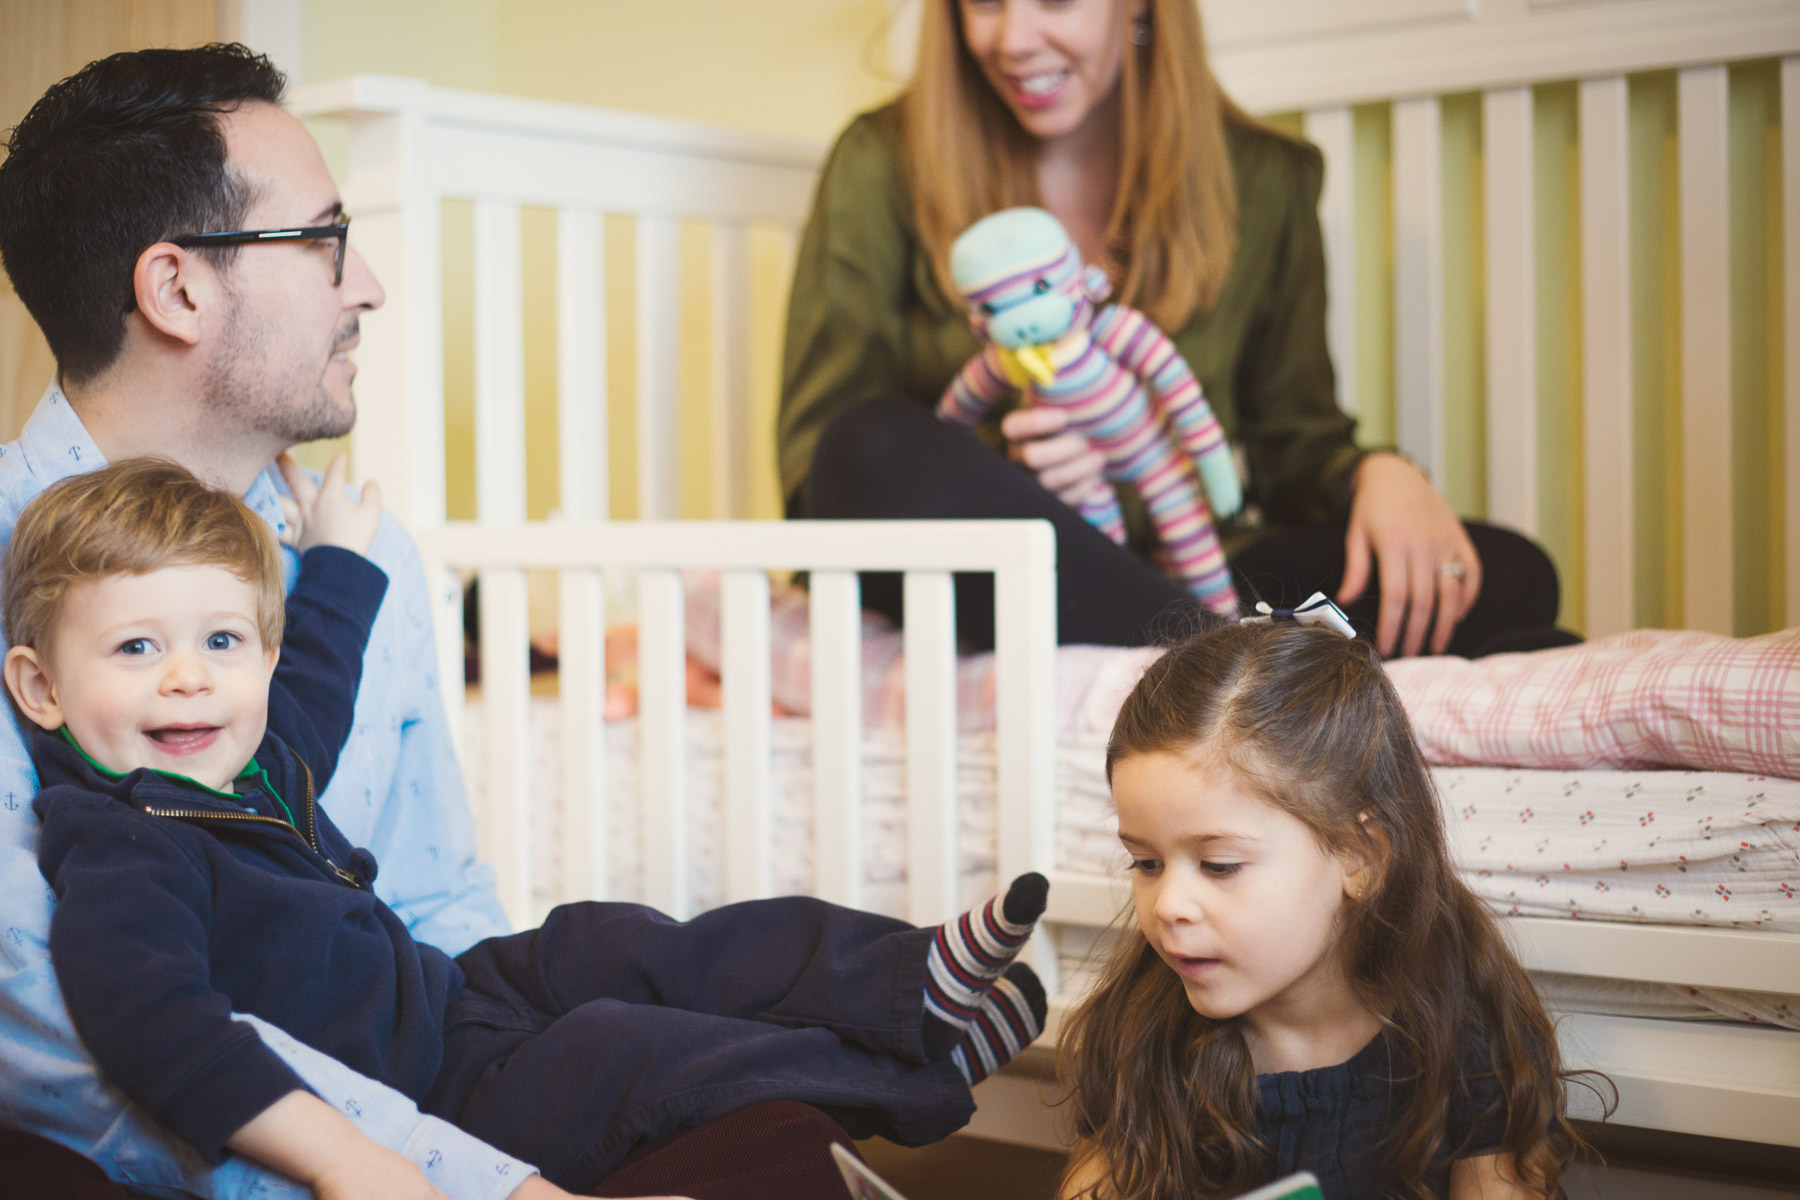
(865, 1184)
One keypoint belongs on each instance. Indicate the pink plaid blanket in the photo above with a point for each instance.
(1651, 698)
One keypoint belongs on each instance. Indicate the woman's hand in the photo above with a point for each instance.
(1064, 463)
(325, 515)
(1402, 528)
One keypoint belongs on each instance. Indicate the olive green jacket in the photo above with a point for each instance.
(867, 318)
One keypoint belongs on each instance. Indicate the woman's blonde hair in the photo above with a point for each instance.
(1172, 231)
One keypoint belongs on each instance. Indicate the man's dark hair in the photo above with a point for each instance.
(122, 154)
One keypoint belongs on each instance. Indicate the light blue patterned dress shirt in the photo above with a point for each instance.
(398, 791)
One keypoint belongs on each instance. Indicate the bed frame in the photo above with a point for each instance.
(410, 147)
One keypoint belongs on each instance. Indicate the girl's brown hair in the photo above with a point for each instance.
(1168, 1098)
(1173, 227)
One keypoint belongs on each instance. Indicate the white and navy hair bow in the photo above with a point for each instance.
(1316, 609)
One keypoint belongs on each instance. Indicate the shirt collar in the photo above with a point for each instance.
(57, 445)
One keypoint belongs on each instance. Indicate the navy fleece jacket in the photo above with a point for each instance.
(177, 905)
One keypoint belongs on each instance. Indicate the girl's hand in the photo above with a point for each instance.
(325, 515)
(1065, 464)
(1417, 544)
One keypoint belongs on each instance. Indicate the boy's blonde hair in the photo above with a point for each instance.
(131, 518)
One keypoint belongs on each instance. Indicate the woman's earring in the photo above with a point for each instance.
(1140, 32)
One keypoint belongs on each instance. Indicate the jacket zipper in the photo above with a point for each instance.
(310, 837)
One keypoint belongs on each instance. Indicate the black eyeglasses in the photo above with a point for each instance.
(340, 232)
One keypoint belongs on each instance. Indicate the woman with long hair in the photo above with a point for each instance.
(1106, 113)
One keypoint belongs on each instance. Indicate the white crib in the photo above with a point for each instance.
(411, 147)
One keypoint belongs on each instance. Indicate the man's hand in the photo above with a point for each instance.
(306, 1139)
(1402, 528)
(1065, 464)
(326, 515)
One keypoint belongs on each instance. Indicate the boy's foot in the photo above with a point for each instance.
(1009, 1019)
(969, 954)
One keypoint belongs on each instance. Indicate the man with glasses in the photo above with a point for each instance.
(181, 244)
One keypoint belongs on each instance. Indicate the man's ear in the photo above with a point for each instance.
(32, 688)
(1363, 864)
(174, 288)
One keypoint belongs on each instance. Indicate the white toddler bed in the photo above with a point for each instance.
(737, 804)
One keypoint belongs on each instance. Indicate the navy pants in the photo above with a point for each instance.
(612, 1025)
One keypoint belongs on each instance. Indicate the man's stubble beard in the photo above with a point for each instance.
(260, 387)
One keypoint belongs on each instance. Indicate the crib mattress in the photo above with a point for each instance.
(1664, 847)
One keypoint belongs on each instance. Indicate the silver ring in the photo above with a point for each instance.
(1451, 570)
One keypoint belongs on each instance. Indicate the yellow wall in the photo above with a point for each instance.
(797, 69)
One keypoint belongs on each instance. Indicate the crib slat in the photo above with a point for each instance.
(733, 426)
(931, 747)
(662, 757)
(1419, 282)
(581, 364)
(1606, 353)
(835, 640)
(581, 685)
(1701, 107)
(1025, 716)
(1790, 226)
(1511, 270)
(1332, 130)
(659, 368)
(504, 822)
(499, 363)
(749, 785)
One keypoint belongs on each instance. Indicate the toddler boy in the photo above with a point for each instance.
(183, 737)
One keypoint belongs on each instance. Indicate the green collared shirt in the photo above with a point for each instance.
(867, 318)
(253, 775)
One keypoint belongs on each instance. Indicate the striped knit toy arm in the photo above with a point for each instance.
(1144, 350)
(977, 388)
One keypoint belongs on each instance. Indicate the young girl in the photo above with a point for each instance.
(1309, 986)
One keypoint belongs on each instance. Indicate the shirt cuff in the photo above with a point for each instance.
(458, 1164)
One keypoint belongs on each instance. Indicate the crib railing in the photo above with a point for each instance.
(412, 148)
(1563, 245)
(1021, 555)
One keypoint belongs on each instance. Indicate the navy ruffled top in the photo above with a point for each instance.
(1331, 1120)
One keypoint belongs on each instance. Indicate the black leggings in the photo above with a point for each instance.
(891, 458)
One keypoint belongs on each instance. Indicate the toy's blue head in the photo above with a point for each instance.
(1021, 277)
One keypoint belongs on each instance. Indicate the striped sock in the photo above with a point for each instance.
(1008, 1019)
(969, 953)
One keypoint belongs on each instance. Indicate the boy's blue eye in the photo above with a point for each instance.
(135, 646)
(221, 641)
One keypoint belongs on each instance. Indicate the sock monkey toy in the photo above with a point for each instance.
(1121, 381)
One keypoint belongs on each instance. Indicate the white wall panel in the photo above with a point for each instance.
(1606, 353)
(581, 397)
(1509, 173)
(733, 429)
(499, 363)
(659, 368)
(1333, 131)
(1790, 232)
(1706, 433)
(1419, 282)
